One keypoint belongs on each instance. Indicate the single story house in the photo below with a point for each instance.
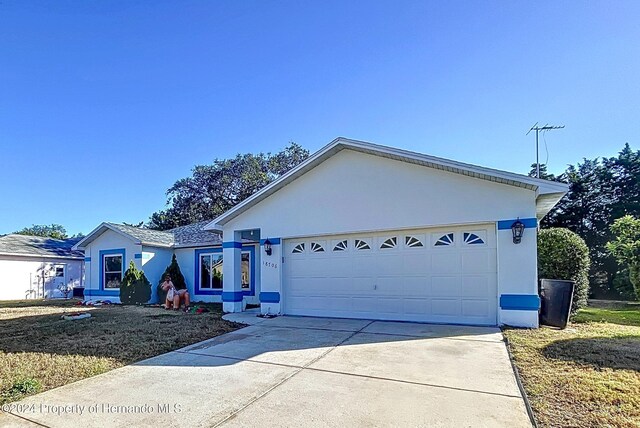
(111, 247)
(360, 230)
(33, 267)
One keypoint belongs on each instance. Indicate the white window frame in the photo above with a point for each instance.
(219, 254)
(105, 271)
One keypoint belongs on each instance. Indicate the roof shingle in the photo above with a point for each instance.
(26, 245)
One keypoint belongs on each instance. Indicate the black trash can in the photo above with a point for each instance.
(556, 296)
(78, 292)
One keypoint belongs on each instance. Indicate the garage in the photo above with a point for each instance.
(364, 231)
(445, 275)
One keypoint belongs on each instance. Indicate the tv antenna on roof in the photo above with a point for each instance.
(545, 128)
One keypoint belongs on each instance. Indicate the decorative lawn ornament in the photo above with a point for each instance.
(76, 316)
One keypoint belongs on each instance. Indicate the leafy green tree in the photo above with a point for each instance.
(625, 247)
(55, 231)
(135, 287)
(213, 189)
(562, 254)
(600, 191)
(177, 278)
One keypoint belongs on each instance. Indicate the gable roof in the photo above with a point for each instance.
(38, 246)
(548, 192)
(184, 236)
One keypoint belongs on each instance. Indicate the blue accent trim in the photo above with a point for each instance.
(138, 255)
(232, 244)
(97, 294)
(274, 241)
(123, 253)
(251, 249)
(87, 259)
(270, 297)
(528, 223)
(232, 296)
(520, 302)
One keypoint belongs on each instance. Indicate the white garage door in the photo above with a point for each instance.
(445, 275)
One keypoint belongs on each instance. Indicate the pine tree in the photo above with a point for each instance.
(135, 287)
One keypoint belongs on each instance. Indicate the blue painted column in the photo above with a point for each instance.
(232, 272)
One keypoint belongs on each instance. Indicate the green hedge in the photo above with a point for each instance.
(563, 254)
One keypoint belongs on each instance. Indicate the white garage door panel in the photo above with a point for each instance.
(431, 275)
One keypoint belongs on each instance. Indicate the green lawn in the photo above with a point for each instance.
(587, 375)
(40, 351)
(611, 312)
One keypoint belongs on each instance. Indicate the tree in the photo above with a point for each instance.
(562, 254)
(213, 189)
(625, 247)
(135, 288)
(543, 172)
(54, 231)
(600, 191)
(173, 270)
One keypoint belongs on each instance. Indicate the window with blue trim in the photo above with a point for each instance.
(211, 277)
(112, 271)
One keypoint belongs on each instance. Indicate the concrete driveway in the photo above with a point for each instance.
(294, 371)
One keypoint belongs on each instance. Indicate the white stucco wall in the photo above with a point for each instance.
(109, 240)
(356, 192)
(19, 276)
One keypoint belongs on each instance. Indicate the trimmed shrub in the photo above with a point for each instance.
(563, 254)
(135, 288)
(176, 277)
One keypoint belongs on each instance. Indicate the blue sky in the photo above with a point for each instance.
(104, 104)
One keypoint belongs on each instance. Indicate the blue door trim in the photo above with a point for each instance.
(270, 297)
(528, 223)
(520, 302)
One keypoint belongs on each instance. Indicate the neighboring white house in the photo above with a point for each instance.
(360, 230)
(35, 267)
(111, 247)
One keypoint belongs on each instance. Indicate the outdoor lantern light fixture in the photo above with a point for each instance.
(518, 230)
(267, 247)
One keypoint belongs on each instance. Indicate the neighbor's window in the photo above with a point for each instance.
(112, 271)
(60, 271)
(211, 271)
